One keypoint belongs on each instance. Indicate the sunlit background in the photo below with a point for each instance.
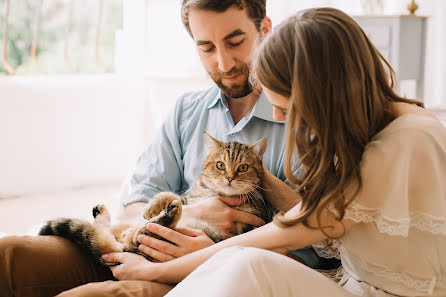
(76, 113)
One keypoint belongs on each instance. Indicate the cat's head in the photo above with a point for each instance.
(232, 168)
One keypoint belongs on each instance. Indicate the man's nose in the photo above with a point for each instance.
(225, 61)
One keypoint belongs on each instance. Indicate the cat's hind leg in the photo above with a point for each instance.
(104, 239)
(101, 215)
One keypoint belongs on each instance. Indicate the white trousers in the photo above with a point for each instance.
(246, 272)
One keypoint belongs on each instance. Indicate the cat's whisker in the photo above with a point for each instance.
(254, 199)
(240, 196)
(263, 203)
(259, 187)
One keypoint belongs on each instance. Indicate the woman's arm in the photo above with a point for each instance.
(280, 195)
(269, 237)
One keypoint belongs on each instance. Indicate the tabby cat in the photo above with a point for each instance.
(230, 169)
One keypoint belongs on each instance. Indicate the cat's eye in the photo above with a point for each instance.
(220, 165)
(243, 168)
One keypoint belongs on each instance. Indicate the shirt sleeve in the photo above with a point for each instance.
(160, 168)
(402, 176)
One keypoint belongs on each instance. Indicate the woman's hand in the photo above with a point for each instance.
(182, 242)
(132, 267)
(280, 195)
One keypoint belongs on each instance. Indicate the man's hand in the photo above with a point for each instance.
(182, 242)
(219, 211)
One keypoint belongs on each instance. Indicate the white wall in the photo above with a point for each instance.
(68, 131)
(159, 46)
(435, 68)
(161, 95)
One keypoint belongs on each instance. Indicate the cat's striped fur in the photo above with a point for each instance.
(230, 169)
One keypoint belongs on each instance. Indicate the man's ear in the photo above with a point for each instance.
(266, 26)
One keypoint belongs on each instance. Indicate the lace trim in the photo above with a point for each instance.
(422, 221)
(328, 252)
(410, 282)
(334, 274)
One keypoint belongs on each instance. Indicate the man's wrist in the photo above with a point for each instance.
(133, 211)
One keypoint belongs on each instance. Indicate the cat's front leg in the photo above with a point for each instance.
(164, 209)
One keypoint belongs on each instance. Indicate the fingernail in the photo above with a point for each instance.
(104, 257)
(148, 226)
(139, 239)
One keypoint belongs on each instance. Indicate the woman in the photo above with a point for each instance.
(373, 170)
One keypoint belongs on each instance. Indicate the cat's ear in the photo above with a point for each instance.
(210, 142)
(259, 147)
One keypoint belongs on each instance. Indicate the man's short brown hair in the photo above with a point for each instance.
(256, 9)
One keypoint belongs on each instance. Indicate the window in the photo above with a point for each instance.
(67, 34)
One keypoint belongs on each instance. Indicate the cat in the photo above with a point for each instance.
(230, 169)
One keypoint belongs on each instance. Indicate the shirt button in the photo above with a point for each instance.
(233, 134)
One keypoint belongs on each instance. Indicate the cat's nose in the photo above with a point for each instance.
(230, 179)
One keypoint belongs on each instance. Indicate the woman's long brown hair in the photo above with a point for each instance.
(340, 89)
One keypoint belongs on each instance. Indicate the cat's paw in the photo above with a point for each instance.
(168, 217)
(160, 203)
(99, 209)
(101, 215)
(173, 211)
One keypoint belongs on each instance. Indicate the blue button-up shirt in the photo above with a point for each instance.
(173, 162)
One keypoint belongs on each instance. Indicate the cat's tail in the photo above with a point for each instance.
(93, 240)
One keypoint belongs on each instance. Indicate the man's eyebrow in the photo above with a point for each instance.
(233, 34)
(229, 36)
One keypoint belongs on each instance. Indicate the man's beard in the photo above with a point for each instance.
(235, 90)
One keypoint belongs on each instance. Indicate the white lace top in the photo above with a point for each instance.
(399, 248)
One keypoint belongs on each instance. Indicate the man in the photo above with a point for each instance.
(225, 41)
(226, 33)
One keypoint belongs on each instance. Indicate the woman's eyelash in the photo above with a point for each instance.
(237, 43)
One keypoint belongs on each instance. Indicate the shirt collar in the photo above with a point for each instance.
(218, 97)
(262, 109)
